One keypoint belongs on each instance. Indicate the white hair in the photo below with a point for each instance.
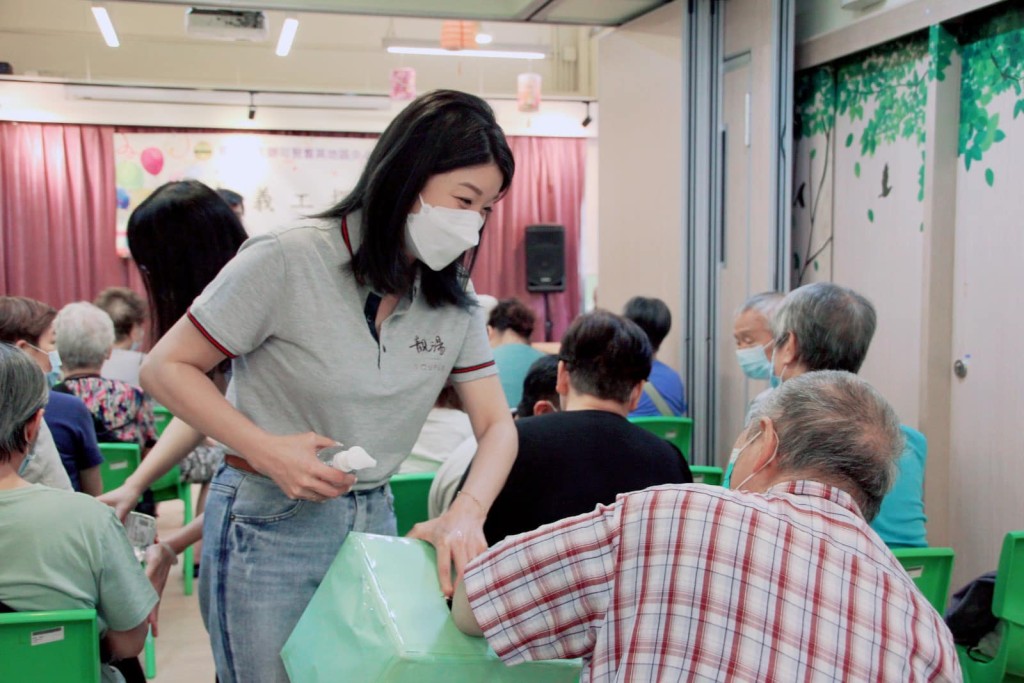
(85, 335)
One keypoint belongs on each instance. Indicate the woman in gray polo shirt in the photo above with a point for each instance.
(343, 329)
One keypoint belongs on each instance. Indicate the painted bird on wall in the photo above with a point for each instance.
(886, 187)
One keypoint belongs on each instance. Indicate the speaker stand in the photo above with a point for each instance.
(548, 325)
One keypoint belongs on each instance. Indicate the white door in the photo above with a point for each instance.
(987, 463)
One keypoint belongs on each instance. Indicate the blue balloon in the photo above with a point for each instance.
(122, 198)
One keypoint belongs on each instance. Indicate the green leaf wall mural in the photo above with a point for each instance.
(883, 92)
(992, 56)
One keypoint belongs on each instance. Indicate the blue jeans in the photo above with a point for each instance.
(263, 557)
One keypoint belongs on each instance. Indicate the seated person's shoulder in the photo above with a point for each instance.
(59, 508)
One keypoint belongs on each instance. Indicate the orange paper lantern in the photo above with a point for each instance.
(459, 35)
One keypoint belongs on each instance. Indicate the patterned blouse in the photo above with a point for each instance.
(121, 411)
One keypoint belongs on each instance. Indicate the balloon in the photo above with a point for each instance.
(129, 175)
(203, 151)
(152, 160)
(123, 200)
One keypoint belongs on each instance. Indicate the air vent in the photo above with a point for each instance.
(226, 24)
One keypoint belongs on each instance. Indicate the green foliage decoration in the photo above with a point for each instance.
(992, 65)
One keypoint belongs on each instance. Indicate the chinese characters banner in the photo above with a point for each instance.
(281, 177)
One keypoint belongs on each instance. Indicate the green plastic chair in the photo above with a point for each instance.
(411, 492)
(119, 461)
(674, 429)
(931, 569)
(60, 645)
(1008, 606)
(703, 474)
(163, 418)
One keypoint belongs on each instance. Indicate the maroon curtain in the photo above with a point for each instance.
(548, 188)
(58, 216)
(57, 213)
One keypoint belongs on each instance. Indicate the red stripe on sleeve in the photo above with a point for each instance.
(344, 235)
(209, 337)
(472, 368)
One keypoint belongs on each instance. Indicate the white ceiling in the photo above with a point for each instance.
(332, 52)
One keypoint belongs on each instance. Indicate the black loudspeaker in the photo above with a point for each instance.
(545, 258)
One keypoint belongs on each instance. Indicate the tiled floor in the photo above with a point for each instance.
(182, 648)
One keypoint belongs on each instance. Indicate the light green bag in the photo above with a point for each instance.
(379, 617)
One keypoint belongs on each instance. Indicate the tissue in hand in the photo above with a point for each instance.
(354, 458)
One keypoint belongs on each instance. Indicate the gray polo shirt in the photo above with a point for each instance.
(289, 312)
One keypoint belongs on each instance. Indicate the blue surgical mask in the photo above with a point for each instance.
(754, 362)
(53, 376)
(733, 457)
(775, 380)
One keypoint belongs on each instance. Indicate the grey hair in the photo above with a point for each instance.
(85, 335)
(765, 303)
(23, 392)
(833, 326)
(837, 427)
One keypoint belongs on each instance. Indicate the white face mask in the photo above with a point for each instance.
(761, 468)
(438, 235)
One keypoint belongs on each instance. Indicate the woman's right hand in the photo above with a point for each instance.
(123, 499)
(292, 463)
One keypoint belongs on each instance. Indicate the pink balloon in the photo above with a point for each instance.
(152, 160)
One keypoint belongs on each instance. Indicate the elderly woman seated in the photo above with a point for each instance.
(121, 412)
(61, 550)
(128, 311)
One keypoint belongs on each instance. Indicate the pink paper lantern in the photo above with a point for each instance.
(528, 93)
(152, 160)
(403, 83)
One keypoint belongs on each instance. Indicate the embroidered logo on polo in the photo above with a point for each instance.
(435, 345)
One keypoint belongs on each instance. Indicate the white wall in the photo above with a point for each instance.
(52, 103)
(640, 72)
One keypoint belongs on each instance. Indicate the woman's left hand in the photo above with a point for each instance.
(457, 536)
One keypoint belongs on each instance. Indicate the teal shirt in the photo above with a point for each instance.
(901, 519)
(514, 361)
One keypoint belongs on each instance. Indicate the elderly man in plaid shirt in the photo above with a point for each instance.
(777, 579)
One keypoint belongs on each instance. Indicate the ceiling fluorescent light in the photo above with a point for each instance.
(106, 26)
(397, 46)
(284, 42)
(441, 52)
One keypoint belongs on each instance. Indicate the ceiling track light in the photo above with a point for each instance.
(99, 12)
(587, 120)
(252, 106)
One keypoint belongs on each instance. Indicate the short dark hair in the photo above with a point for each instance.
(126, 308)
(606, 355)
(24, 318)
(539, 385)
(653, 317)
(436, 133)
(833, 326)
(513, 314)
(231, 197)
(180, 237)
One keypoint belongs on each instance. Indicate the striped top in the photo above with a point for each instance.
(701, 583)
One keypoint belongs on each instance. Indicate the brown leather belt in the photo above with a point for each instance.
(239, 463)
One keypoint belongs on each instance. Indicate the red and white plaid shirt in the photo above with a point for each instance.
(701, 583)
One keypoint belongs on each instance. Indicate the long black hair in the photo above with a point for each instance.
(436, 133)
(180, 237)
